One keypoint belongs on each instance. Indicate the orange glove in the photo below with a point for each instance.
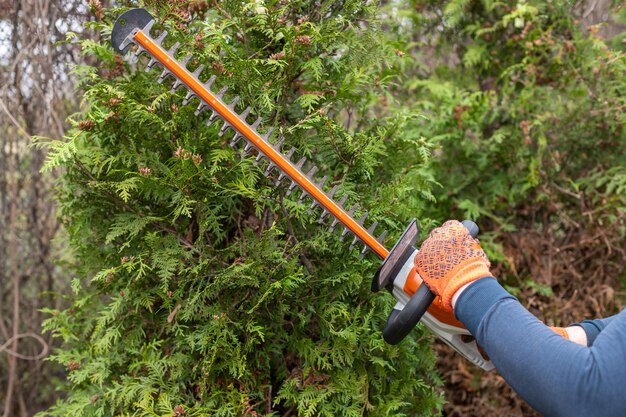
(560, 331)
(449, 259)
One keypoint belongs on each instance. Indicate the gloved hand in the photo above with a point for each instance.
(449, 259)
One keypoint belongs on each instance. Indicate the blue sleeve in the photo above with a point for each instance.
(593, 328)
(555, 376)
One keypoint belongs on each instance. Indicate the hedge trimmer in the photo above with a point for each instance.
(131, 34)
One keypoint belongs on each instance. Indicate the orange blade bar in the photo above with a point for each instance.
(242, 127)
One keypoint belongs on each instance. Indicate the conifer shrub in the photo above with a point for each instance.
(204, 289)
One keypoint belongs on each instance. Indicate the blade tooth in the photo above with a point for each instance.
(151, 64)
(321, 183)
(301, 162)
(279, 144)
(245, 113)
(161, 37)
(210, 82)
(266, 135)
(188, 97)
(198, 71)
(164, 75)
(332, 192)
(311, 172)
(256, 123)
(212, 117)
(354, 242)
(352, 210)
(224, 129)
(177, 84)
(280, 178)
(258, 159)
(372, 228)
(125, 45)
(312, 207)
(364, 252)
(344, 233)
(201, 107)
(343, 200)
(323, 216)
(148, 27)
(130, 40)
(382, 237)
(303, 196)
(334, 224)
(220, 93)
(248, 147)
(186, 60)
(173, 49)
(140, 49)
(292, 187)
(234, 103)
(289, 154)
(362, 219)
(269, 168)
(235, 140)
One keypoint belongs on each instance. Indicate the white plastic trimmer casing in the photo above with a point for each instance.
(451, 335)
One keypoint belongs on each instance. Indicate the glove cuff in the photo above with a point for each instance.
(465, 273)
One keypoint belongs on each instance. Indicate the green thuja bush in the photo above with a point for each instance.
(204, 289)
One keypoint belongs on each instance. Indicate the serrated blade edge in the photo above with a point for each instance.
(249, 132)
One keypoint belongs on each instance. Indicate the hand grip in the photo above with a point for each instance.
(401, 322)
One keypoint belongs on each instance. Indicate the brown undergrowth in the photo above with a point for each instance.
(566, 271)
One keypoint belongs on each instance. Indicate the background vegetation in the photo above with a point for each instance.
(526, 108)
(198, 287)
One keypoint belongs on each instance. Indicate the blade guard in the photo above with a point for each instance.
(126, 24)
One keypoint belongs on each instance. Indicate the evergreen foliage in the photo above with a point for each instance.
(206, 290)
(526, 110)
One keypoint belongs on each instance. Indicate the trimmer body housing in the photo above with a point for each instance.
(398, 275)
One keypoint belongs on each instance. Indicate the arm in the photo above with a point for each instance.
(583, 333)
(555, 376)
